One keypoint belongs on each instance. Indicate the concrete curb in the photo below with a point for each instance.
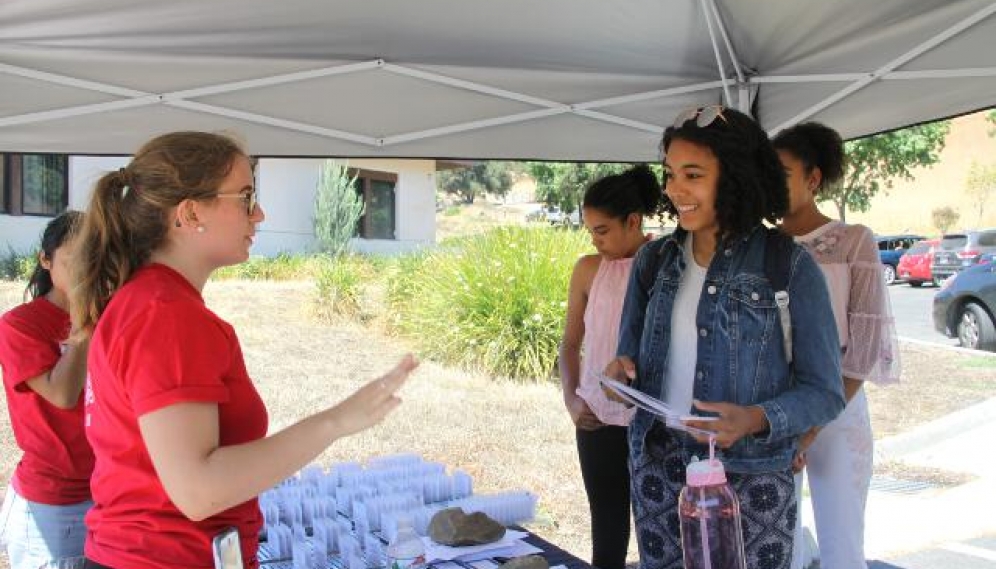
(934, 432)
(957, 349)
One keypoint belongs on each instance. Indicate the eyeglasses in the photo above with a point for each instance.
(704, 116)
(248, 197)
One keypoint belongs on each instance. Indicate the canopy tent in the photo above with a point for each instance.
(515, 79)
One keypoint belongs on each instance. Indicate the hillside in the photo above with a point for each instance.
(907, 206)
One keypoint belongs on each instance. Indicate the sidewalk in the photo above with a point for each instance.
(898, 523)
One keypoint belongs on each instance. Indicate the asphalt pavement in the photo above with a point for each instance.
(912, 309)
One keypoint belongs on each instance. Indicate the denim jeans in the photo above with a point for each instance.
(39, 535)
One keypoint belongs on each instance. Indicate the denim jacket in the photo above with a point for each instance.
(740, 355)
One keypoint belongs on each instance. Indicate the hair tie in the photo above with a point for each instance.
(123, 177)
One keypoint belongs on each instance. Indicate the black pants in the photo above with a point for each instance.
(604, 457)
(88, 564)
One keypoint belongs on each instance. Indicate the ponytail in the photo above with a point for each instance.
(127, 218)
(634, 191)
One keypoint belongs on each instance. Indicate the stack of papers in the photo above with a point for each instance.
(511, 545)
(655, 406)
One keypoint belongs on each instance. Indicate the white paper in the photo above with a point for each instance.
(511, 545)
(656, 406)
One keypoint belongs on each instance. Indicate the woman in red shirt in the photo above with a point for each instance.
(43, 373)
(177, 427)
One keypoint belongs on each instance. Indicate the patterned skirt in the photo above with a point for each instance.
(767, 507)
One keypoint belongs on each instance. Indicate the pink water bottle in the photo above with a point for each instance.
(711, 536)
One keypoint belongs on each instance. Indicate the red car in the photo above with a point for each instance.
(914, 265)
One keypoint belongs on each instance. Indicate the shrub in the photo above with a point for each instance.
(15, 266)
(283, 267)
(494, 301)
(340, 287)
(337, 208)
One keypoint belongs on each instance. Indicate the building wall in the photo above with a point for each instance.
(23, 233)
(287, 195)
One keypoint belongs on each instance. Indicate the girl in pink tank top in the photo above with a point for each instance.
(613, 211)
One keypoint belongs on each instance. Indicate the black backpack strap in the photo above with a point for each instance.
(778, 249)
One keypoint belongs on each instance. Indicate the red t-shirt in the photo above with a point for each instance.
(157, 345)
(57, 461)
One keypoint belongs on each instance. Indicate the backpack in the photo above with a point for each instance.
(778, 247)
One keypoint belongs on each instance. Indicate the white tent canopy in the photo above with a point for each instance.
(516, 79)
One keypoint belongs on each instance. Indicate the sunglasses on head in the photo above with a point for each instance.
(704, 116)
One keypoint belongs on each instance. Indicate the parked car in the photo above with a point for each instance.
(958, 251)
(557, 217)
(963, 308)
(914, 265)
(891, 249)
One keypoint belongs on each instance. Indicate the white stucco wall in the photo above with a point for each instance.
(287, 195)
(23, 233)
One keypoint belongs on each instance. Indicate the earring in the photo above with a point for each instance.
(200, 229)
(177, 223)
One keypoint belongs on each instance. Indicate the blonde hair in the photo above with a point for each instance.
(127, 217)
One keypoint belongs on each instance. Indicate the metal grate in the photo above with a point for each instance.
(894, 486)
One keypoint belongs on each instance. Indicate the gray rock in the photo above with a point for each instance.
(525, 562)
(455, 528)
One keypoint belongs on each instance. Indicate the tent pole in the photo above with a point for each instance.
(715, 49)
(726, 41)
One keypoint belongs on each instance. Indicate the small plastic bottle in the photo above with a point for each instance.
(406, 550)
(711, 535)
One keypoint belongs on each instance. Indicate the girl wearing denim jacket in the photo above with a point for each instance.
(700, 329)
(838, 458)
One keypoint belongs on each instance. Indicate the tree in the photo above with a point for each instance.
(981, 185)
(875, 161)
(944, 218)
(489, 177)
(338, 208)
(563, 183)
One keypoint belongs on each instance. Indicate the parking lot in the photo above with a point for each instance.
(912, 309)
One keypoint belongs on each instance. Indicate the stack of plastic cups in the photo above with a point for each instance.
(505, 508)
(463, 485)
(323, 534)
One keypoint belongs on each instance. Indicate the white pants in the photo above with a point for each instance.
(839, 469)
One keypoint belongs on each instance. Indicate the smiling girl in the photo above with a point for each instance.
(700, 331)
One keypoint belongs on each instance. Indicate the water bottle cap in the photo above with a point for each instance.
(705, 473)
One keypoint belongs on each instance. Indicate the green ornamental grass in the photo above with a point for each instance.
(494, 301)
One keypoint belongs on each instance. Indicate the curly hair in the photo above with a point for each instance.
(816, 146)
(636, 190)
(751, 186)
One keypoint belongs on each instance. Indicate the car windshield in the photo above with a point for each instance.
(954, 241)
(919, 249)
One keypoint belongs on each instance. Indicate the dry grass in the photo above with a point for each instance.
(506, 435)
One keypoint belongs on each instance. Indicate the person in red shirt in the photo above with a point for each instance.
(178, 429)
(43, 373)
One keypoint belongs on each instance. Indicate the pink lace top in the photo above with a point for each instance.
(601, 337)
(848, 256)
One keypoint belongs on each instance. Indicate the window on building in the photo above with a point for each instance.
(378, 192)
(34, 184)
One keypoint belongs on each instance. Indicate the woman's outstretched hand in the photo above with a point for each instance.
(369, 404)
